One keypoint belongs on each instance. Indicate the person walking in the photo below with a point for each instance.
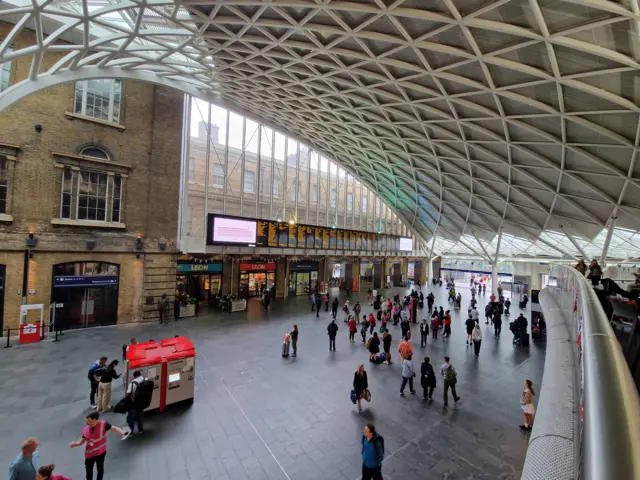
(346, 309)
(386, 345)
(473, 313)
(395, 313)
(332, 331)
(372, 323)
(407, 375)
(373, 347)
(135, 411)
(326, 302)
(104, 386)
(372, 454)
(450, 376)
(353, 328)
(95, 371)
(424, 332)
(497, 325)
(526, 403)
(435, 325)
(318, 304)
(476, 336)
(447, 324)
(360, 385)
(46, 473)
(488, 311)
(334, 307)
(470, 324)
(163, 308)
(405, 349)
(313, 301)
(441, 315)
(95, 443)
(581, 267)
(26, 464)
(294, 340)
(430, 300)
(595, 272)
(427, 379)
(364, 325)
(507, 306)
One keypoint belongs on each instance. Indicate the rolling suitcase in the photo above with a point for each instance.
(285, 349)
(524, 339)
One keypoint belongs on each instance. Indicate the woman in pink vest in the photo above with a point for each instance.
(94, 439)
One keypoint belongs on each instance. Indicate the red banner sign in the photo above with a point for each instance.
(260, 267)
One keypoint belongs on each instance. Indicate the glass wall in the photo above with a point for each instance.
(237, 166)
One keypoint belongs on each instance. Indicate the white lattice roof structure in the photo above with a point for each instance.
(468, 117)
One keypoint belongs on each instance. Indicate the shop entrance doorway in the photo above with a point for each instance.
(85, 294)
(252, 284)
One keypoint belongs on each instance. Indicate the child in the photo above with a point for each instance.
(285, 345)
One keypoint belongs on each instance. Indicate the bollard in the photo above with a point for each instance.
(56, 339)
(8, 338)
(42, 332)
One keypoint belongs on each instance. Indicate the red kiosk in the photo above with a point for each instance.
(170, 364)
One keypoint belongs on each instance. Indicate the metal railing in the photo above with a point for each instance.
(607, 440)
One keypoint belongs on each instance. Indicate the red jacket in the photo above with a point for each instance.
(372, 320)
(353, 326)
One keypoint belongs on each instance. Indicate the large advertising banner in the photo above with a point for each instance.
(332, 238)
(262, 234)
(406, 244)
(325, 238)
(352, 241)
(340, 239)
(310, 237)
(283, 235)
(302, 230)
(273, 234)
(293, 235)
(318, 237)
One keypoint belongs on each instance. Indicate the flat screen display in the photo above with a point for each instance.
(174, 377)
(234, 230)
(406, 244)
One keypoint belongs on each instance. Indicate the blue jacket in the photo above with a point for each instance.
(24, 468)
(372, 452)
(95, 367)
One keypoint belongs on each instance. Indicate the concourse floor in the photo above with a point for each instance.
(259, 416)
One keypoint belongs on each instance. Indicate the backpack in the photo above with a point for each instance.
(142, 394)
(451, 375)
(378, 444)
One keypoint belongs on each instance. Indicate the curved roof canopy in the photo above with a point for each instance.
(468, 117)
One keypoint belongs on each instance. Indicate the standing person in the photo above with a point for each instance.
(357, 308)
(94, 440)
(353, 328)
(364, 325)
(526, 403)
(104, 386)
(345, 309)
(507, 306)
(135, 413)
(488, 311)
(430, 300)
(163, 308)
(372, 323)
(427, 379)
(435, 325)
(332, 331)
(441, 315)
(404, 348)
(470, 324)
(94, 378)
(581, 267)
(318, 304)
(26, 464)
(407, 375)
(326, 302)
(374, 347)
(294, 340)
(176, 308)
(313, 301)
(46, 473)
(450, 376)
(334, 307)
(473, 314)
(497, 325)
(360, 385)
(369, 296)
(424, 332)
(386, 344)
(595, 272)
(447, 324)
(476, 336)
(484, 289)
(372, 454)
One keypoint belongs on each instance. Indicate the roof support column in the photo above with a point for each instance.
(607, 242)
(431, 255)
(206, 178)
(494, 264)
(575, 244)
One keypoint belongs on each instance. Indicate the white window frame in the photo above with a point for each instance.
(84, 85)
(244, 181)
(216, 184)
(275, 186)
(5, 67)
(106, 197)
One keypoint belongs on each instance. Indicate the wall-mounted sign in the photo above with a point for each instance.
(257, 267)
(85, 281)
(196, 268)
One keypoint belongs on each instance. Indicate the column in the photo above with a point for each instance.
(494, 279)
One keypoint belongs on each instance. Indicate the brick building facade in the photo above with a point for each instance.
(96, 183)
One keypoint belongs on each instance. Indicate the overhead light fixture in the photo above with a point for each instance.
(292, 222)
(31, 241)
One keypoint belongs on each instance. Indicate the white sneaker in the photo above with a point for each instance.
(386, 363)
(126, 435)
(94, 406)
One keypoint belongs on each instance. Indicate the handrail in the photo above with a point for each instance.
(609, 406)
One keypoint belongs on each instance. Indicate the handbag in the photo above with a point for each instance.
(354, 397)
(367, 395)
(123, 405)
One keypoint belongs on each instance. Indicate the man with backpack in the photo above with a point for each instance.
(372, 453)
(450, 379)
(332, 331)
(94, 374)
(139, 393)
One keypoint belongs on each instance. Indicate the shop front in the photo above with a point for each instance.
(370, 275)
(414, 272)
(341, 274)
(303, 277)
(255, 278)
(85, 294)
(198, 281)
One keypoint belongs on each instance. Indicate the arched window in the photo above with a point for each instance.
(95, 152)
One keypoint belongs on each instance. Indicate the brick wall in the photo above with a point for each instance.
(148, 147)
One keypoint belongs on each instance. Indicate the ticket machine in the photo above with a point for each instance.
(170, 364)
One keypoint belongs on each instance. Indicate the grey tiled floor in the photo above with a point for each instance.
(257, 416)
